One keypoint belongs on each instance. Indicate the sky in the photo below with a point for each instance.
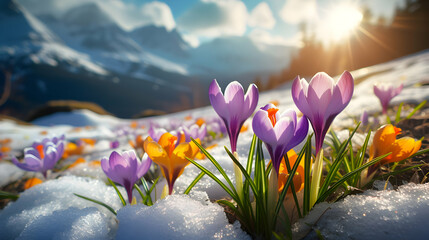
(270, 21)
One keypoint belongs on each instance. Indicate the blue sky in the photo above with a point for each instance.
(269, 21)
(282, 17)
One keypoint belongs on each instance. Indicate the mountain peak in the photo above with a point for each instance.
(89, 14)
(17, 24)
(158, 37)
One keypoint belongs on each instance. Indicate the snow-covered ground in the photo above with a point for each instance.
(50, 210)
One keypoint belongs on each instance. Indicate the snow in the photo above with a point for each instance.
(398, 214)
(177, 217)
(9, 173)
(50, 210)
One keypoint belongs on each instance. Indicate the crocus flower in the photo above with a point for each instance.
(194, 131)
(234, 107)
(298, 179)
(279, 132)
(42, 156)
(125, 169)
(322, 100)
(156, 132)
(385, 141)
(114, 144)
(385, 93)
(364, 118)
(32, 182)
(170, 158)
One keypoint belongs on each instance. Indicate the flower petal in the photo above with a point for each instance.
(250, 100)
(263, 127)
(217, 100)
(299, 96)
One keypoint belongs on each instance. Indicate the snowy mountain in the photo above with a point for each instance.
(161, 40)
(85, 48)
(26, 40)
(17, 25)
(88, 26)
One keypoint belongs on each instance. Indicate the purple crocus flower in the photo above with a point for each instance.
(234, 107)
(364, 118)
(385, 93)
(114, 144)
(279, 132)
(156, 132)
(322, 100)
(194, 131)
(42, 156)
(125, 169)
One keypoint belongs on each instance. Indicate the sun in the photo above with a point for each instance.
(340, 22)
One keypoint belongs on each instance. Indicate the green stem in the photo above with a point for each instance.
(316, 176)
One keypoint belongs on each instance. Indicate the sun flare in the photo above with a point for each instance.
(340, 22)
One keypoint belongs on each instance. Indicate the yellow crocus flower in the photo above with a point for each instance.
(171, 158)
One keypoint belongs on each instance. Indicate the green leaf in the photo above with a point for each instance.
(398, 113)
(289, 180)
(251, 153)
(416, 109)
(144, 197)
(212, 176)
(252, 184)
(423, 151)
(336, 164)
(97, 202)
(194, 182)
(328, 192)
(307, 177)
(293, 186)
(216, 164)
(7, 195)
(117, 191)
(361, 156)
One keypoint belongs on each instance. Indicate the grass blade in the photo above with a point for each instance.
(251, 153)
(117, 191)
(416, 109)
(97, 202)
(292, 186)
(212, 176)
(307, 177)
(252, 184)
(194, 182)
(216, 164)
(336, 163)
(328, 192)
(398, 113)
(286, 186)
(7, 195)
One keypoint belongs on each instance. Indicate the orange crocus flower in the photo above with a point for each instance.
(77, 162)
(170, 158)
(138, 142)
(32, 182)
(72, 149)
(298, 179)
(385, 141)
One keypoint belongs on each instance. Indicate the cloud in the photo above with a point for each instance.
(297, 11)
(262, 36)
(211, 18)
(192, 40)
(157, 13)
(127, 15)
(261, 16)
